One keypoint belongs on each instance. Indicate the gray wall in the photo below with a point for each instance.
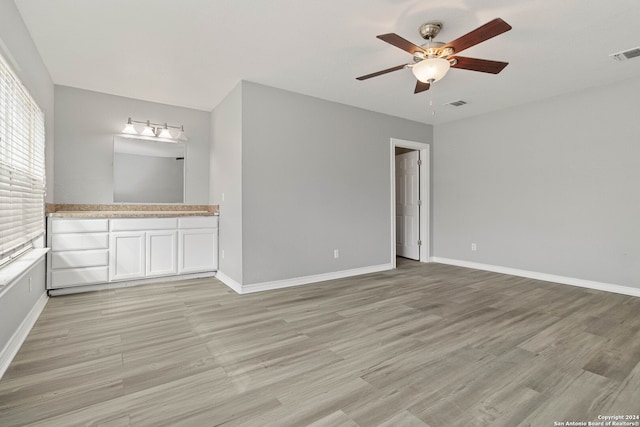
(226, 177)
(85, 124)
(18, 48)
(315, 177)
(550, 187)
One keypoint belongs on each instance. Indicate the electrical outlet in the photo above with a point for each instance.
(222, 253)
(336, 254)
(223, 197)
(30, 287)
(474, 247)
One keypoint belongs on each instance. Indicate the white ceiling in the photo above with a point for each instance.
(191, 53)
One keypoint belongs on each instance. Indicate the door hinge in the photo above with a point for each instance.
(419, 162)
(419, 202)
(419, 242)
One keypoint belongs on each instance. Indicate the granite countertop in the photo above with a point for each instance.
(129, 211)
(127, 214)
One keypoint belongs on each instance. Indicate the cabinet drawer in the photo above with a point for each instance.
(80, 241)
(79, 276)
(79, 225)
(73, 259)
(198, 222)
(131, 224)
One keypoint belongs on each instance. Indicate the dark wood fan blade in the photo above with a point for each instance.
(401, 43)
(379, 73)
(421, 87)
(482, 65)
(480, 34)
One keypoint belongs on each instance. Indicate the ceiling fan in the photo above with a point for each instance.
(432, 60)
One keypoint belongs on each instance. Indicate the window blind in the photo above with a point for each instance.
(22, 173)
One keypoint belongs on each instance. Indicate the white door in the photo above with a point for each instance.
(197, 250)
(162, 253)
(407, 205)
(126, 255)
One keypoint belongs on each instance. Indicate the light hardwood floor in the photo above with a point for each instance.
(427, 344)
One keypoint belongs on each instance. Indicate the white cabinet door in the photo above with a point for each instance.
(198, 250)
(162, 254)
(127, 255)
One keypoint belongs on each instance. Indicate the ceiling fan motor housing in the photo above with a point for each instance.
(429, 30)
(432, 49)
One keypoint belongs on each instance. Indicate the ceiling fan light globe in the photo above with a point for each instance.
(431, 69)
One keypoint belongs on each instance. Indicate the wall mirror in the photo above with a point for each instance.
(148, 171)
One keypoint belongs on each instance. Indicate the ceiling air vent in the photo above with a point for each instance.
(627, 54)
(458, 103)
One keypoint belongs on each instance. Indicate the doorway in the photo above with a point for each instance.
(410, 197)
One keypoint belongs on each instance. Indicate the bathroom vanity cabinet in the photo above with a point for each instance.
(93, 251)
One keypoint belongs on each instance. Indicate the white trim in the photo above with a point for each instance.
(297, 281)
(12, 272)
(425, 195)
(229, 282)
(590, 284)
(17, 339)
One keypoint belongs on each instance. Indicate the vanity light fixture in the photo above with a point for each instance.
(154, 129)
(129, 128)
(148, 130)
(164, 132)
(181, 136)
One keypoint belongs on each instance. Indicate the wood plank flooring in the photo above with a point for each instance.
(424, 345)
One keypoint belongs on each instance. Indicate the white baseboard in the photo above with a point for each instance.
(11, 349)
(229, 282)
(297, 281)
(600, 286)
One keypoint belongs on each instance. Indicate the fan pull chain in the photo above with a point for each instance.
(433, 112)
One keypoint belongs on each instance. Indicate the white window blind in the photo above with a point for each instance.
(22, 175)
